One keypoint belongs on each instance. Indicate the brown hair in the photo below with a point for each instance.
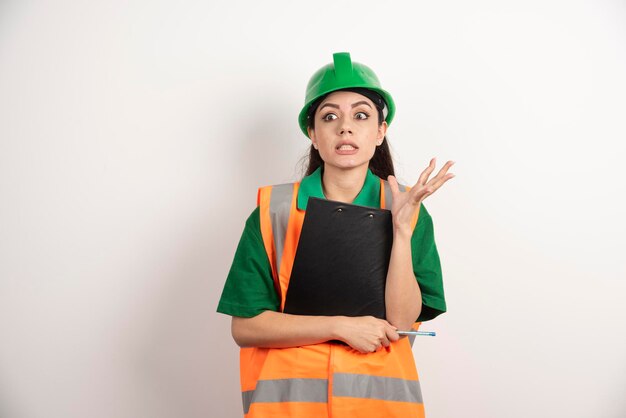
(381, 163)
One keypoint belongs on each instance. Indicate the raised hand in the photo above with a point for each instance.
(406, 204)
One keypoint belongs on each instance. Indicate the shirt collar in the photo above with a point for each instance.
(311, 186)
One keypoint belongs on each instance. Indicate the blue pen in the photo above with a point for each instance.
(428, 333)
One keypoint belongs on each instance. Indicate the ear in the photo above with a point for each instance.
(382, 131)
(312, 136)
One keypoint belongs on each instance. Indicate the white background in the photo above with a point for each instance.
(133, 137)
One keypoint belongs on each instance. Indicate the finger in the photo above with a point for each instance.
(440, 182)
(393, 185)
(419, 193)
(426, 173)
(443, 170)
(392, 335)
(437, 183)
(385, 342)
(418, 188)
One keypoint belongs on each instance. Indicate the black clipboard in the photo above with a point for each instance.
(341, 263)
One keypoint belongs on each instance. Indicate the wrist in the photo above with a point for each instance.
(337, 324)
(402, 232)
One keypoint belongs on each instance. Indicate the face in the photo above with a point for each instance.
(346, 130)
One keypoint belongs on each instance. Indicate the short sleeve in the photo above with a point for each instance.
(249, 288)
(427, 267)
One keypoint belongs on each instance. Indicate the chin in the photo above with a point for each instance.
(346, 162)
(347, 165)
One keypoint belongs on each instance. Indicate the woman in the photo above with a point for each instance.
(291, 365)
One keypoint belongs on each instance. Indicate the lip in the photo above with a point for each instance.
(339, 145)
(346, 152)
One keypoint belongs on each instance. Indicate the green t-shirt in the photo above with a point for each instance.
(249, 288)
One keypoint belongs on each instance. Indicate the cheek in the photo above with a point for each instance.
(372, 137)
(323, 135)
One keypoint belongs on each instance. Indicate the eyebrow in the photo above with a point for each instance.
(361, 102)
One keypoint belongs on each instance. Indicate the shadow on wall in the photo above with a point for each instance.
(272, 145)
(5, 407)
(186, 362)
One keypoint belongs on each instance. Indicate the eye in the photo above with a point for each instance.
(329, 116)
(361, 116)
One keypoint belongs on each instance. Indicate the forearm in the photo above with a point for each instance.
(403, 298)
(365, 334)
(279, 330)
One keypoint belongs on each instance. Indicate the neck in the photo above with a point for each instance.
(343, 185)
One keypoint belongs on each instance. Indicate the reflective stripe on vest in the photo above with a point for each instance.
(286, 390)
(344, 385)
(275, 206)
(280, 204)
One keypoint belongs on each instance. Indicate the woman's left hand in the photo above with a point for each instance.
(406, 205)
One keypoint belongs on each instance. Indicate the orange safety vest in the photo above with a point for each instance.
(326, 380)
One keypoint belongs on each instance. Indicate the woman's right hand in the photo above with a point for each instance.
(365, 334)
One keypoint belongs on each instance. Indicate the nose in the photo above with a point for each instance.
(345, 128)
(345, 131)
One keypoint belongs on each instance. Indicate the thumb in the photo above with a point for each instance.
(393, 185)
(392, 334)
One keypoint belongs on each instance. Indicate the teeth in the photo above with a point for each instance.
(346, 148)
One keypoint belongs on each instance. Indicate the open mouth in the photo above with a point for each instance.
(347, 147)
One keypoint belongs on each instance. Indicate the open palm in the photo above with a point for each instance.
(406, 205)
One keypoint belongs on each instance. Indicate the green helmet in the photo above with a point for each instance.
(342, 74)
